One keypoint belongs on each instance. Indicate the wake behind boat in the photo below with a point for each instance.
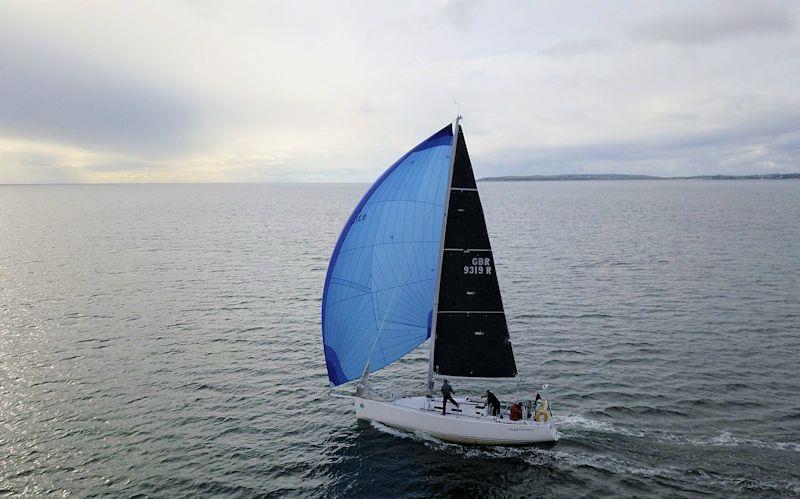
(414, 262)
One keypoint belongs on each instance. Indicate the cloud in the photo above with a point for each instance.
(461, 13)
(124, 166)
(710, 22)
(262, 91)
(765, 145)
(569, 48)
(51, 94)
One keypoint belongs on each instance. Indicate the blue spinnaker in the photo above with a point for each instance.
(378, 296)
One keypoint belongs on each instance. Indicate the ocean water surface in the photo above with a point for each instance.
(164, 340)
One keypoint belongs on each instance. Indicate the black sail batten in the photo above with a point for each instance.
(471, 337)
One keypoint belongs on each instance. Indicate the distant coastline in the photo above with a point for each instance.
(619, 176)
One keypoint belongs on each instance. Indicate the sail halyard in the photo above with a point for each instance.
(435, 311)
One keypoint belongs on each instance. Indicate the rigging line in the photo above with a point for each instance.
(415, 201)
(405, 266)
(376, 291)
(380, 328)
(375, 245)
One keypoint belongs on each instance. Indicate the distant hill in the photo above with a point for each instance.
(619, 176)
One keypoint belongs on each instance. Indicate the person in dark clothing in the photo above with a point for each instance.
(493, 401)
(447, 394)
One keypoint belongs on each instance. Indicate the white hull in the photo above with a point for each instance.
(469, 426)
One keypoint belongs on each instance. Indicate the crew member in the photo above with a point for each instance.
(492, 400)
(447, 394)
(533, 405)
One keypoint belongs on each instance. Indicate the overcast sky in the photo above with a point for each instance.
(336, 91)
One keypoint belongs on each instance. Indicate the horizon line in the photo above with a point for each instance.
(555, 176)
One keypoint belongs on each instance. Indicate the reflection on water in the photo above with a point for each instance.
(164, 340)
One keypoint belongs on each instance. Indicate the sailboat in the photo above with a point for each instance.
(414, 262)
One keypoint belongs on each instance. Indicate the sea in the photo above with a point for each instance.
(164, 340)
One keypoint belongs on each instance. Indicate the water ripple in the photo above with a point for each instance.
(163, 340)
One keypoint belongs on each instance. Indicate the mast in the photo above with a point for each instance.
(435, 313)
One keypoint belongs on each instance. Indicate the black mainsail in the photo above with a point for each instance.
(471, 336)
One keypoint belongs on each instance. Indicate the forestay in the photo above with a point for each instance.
(379, 289)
